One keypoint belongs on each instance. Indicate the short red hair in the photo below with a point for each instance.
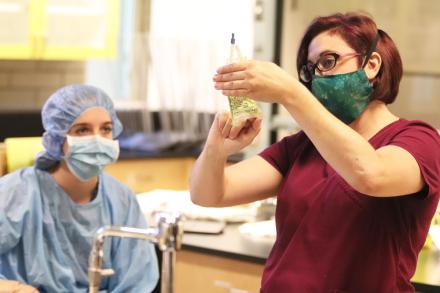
(359, 31)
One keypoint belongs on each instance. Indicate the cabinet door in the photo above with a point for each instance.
(200, 273)
(79, 29)
(15, 29)
(147, 174)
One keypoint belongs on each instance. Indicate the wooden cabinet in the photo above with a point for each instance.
(58, 29)
(200, 273)
(143, 175)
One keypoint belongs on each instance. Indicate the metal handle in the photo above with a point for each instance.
(167, 235)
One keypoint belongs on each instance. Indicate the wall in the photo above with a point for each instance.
(419, 98)
(26, 84)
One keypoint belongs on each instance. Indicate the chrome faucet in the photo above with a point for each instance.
(167, 235)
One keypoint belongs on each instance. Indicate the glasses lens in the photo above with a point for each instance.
(326, 62)
(304, 74)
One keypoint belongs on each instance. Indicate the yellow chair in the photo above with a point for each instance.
(21, 152)
(2, 159)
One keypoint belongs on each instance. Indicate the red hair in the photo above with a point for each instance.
(359, 31)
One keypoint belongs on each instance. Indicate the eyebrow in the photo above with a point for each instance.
(88, 124)
(80, 124)
(323, 53)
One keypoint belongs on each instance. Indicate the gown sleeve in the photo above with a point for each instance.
(16, 206)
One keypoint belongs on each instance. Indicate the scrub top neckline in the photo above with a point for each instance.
(90, 204)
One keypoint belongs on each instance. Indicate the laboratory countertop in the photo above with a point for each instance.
(188, 153)
(136, 154)
(232, 244)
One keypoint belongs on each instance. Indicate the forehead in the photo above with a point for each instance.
(327, 41)
(95, 115)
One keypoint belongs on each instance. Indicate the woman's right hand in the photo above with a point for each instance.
(229, 139)
(10, 286)
(259, 80)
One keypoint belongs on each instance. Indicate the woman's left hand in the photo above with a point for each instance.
(258, 80)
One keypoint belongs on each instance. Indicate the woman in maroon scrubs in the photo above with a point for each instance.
(356, 188)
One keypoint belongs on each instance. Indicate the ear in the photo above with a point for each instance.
(373, 66)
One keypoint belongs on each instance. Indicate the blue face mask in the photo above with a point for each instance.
(88, 155)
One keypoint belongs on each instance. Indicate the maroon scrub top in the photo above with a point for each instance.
(331, 238)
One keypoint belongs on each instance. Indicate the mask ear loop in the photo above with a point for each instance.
(373, 47)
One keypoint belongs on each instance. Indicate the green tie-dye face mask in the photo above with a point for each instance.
(345, 95)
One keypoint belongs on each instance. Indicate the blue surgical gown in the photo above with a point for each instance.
(46, 238)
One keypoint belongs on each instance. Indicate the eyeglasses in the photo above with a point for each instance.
(326, 62)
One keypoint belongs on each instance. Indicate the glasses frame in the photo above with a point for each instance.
(308, 70)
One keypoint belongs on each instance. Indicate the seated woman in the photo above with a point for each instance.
(49, 212)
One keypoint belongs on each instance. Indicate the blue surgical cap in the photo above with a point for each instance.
(60, 111)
